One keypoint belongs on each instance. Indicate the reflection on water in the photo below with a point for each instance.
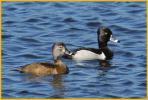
(103, 68)
(58, 86)
(55, 81)
(104, 63)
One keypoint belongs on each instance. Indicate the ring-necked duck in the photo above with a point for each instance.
(103, 53)
(58, 67)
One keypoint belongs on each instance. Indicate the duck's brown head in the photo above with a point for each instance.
(58, 49)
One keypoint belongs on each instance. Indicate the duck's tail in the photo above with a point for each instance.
(20, 69)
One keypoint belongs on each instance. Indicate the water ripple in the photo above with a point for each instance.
(69, 20)
(30, 28)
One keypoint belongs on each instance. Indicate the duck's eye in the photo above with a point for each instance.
(61, 47)
(105, 33)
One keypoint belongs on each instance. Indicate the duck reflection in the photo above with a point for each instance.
(104, 67)
(54, 81)
(58, 86)
(104, 63)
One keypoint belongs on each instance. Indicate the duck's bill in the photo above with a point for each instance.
(114, 40)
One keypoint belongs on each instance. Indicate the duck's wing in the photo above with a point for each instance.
(97, 51)
(45, 64)
(34, 66)
(69, 56)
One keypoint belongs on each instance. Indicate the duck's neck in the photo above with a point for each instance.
(58, 61)
(102, 44)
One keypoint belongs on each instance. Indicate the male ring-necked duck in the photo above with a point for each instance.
(58, 67)
(103, 53)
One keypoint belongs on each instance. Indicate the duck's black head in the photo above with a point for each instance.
(105, 35)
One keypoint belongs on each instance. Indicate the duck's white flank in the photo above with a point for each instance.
(88, 55)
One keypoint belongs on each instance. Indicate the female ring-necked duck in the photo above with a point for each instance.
(58, 67)
(103, 53)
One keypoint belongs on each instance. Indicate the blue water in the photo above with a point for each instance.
(30, 29)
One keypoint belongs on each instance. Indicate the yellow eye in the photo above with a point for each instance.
(105, 33)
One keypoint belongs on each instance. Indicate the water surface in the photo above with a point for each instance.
(30, 29)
